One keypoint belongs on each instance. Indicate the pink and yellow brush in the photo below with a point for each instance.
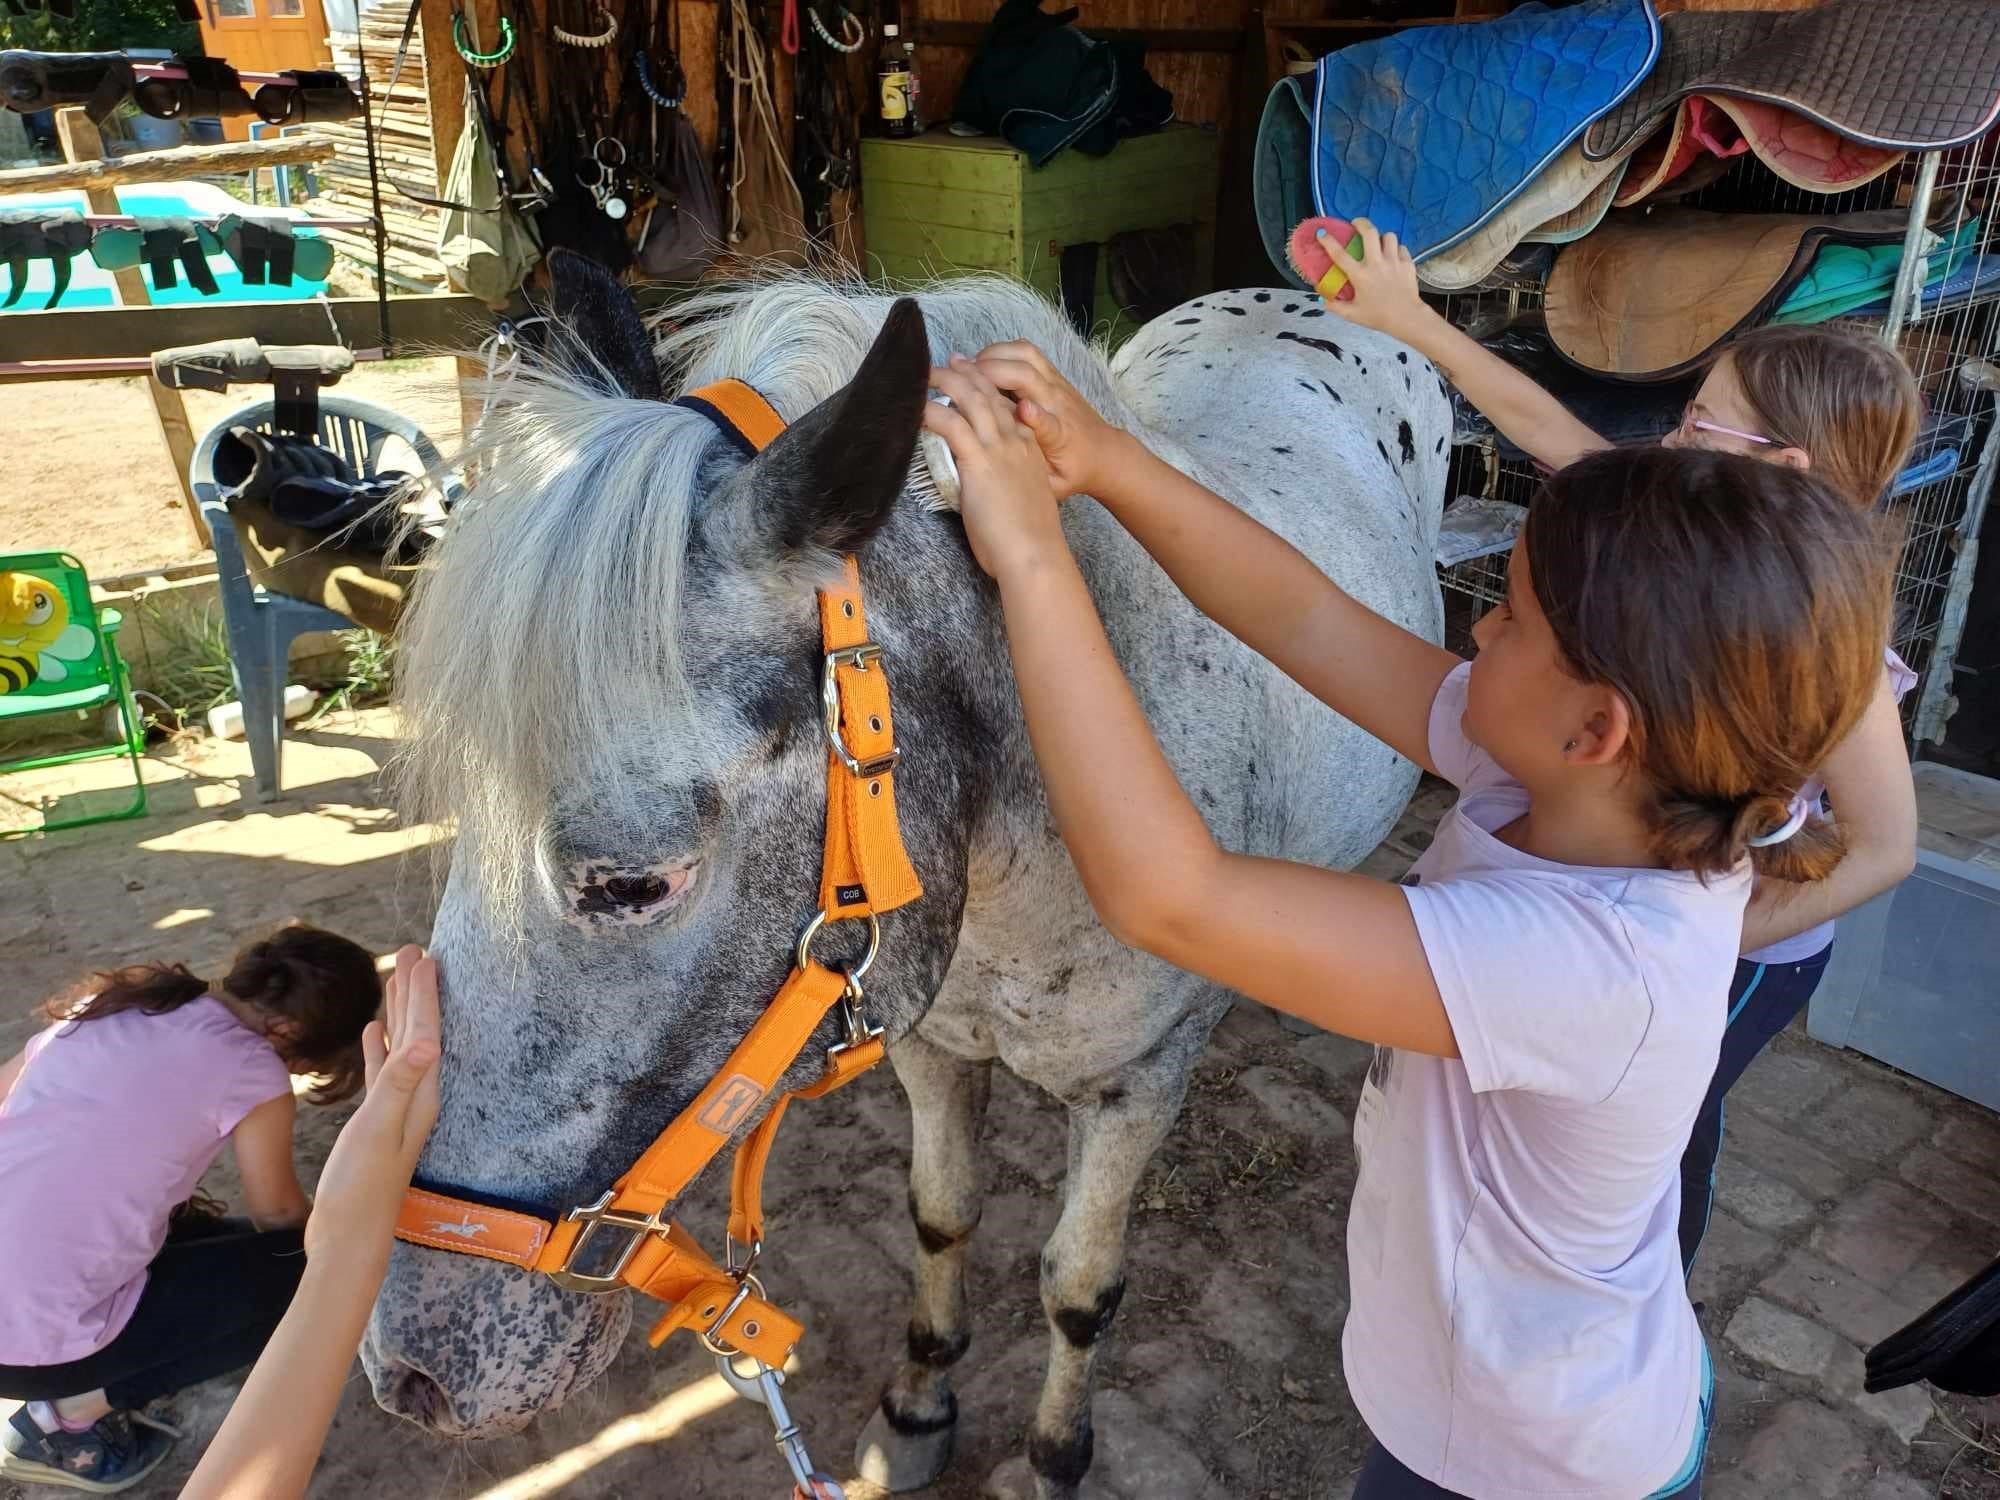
(1312, 252)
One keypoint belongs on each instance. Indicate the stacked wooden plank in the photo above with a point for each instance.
(403, 145)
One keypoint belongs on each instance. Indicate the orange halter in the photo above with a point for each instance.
(864, 872)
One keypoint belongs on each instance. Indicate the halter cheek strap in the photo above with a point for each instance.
(864, 872)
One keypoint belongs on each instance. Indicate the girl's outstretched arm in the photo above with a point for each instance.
(1340, 950)
(1385, 298)
(1235, 570)
(270, 1441)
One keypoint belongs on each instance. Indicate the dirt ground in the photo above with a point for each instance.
(87, 470)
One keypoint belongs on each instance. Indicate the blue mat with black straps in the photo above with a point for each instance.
(1432, 131)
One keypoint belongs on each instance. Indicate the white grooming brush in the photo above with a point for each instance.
(933, 471)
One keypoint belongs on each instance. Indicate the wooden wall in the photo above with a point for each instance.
(1217, 57)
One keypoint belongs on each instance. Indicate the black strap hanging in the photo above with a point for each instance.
(99, 81)
(168, 243)
(57, 235)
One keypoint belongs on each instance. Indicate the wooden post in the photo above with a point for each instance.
(81, 142)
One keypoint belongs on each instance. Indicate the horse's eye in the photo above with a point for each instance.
(637, 891)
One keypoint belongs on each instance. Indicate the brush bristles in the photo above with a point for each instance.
(934, 474)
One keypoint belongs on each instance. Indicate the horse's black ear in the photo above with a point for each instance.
(833, 477)
(605, 322)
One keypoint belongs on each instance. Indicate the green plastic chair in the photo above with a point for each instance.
(51, 668)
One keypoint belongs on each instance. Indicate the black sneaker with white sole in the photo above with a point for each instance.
(112, 1455)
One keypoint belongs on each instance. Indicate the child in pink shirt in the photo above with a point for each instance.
(112, 1292)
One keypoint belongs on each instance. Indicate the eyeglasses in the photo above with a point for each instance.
(1690, 423)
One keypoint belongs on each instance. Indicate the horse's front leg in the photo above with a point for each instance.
(1112, 1135)
(908, 1441)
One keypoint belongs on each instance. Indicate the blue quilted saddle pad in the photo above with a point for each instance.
(1434, 130)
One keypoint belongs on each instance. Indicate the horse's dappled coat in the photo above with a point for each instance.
(651, 716)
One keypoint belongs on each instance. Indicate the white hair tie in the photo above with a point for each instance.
(1801, 810)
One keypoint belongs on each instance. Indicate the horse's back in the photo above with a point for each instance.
(1336, 437)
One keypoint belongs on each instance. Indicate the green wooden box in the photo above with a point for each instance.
(938, 204)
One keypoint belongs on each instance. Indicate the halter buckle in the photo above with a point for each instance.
(857, 657)
(593, 1217)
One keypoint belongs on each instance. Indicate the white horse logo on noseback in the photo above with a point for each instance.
(464, 1228)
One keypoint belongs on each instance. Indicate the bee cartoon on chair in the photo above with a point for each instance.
(36, 637)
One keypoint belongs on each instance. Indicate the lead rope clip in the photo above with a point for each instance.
(763, 1386)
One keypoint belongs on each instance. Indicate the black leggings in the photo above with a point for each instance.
(213, 1295)
(1763, 998)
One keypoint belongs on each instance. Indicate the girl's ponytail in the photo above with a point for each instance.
(1741, 609)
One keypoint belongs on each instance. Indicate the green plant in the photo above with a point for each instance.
(102, 26)
(371, 673)
(188, 671)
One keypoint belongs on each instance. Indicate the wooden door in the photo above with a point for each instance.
(264, 36)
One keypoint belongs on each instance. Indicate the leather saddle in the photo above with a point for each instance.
(1912, 75)
(1651, 295)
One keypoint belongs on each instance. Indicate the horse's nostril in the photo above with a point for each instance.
(413, 1394)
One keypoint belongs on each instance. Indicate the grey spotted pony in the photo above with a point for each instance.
(610, 682)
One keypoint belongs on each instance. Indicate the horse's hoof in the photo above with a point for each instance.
(902, 1461)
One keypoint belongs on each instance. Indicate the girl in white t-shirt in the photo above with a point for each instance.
(1842, 405)
(1686, 637)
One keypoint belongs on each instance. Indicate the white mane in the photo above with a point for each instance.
(549, 620)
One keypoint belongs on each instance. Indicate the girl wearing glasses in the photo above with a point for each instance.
(1844, 407)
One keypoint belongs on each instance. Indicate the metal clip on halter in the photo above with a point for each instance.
(762, 1387)
(858, 658)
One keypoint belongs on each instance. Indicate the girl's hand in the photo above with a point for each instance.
(1078, 444)
(1007, 496)
(362, 1186)
(1384, 282)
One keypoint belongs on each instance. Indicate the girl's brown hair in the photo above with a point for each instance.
(1741, 609)
(1844, 399)
(316, 988)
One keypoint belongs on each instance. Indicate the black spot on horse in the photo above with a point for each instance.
(1402, 358)
(1306, 385)
(1385, 453)
(1407, 386)
(1280, 450)
(1291, 307)
(1084, 1326)
(1325, 346)
(1314, 312)
(1185, 322)
(1262, 297)
(1208, 367)
(1236, 311)
(1333, 393)
(1407, 441)
(1440, 446)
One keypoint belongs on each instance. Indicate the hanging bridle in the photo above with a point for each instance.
(864, 872)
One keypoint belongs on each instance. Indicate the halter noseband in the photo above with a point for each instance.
(864, 872)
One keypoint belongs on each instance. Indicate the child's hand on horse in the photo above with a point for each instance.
(1078, 444)
(372, 1161)
(1007, 494)
(1384, 281)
